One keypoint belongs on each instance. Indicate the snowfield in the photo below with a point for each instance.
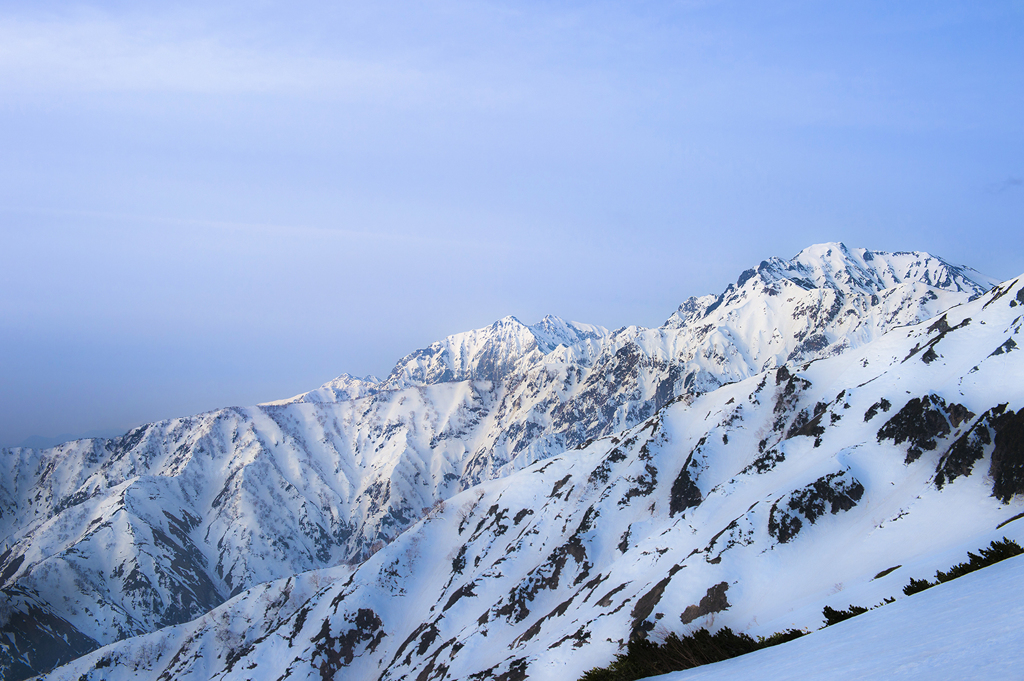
(969, 628)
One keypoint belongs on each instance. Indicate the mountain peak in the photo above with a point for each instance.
(506, 321)
(552, 332)
(344, 387)
(837, 266)
(825, 300)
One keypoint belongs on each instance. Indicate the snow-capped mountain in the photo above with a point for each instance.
(823, 483)
(341, 389)
(105, 539)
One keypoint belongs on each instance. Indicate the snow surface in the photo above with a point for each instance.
(343, 388)
(969, 628)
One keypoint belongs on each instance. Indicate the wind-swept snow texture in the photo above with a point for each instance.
(966, 629)
(830, 482)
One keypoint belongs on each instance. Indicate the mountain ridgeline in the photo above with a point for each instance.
(569, 486)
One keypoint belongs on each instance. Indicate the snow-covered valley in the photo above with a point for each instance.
(517, 501)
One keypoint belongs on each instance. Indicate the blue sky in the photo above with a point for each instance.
(215, 204)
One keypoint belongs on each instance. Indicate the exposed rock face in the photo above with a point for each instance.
(833, 493)
(921, 422)
(713, 601)
(969, 448)
(1007, 469)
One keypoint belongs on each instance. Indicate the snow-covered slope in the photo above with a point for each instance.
(965, 629)
(343, 388)
(752, 506)
(103, 539)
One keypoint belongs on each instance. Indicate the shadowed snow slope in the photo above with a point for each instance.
(751, 506)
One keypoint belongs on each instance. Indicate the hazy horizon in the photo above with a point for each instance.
(206, 206)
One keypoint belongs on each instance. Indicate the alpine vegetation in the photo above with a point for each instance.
(524, 501)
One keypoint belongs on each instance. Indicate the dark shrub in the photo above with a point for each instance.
(703, 647)
(644, 658)
(833, 616)
(997, 551)
(916, 586)
(778, 637)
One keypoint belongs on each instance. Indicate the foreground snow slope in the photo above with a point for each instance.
(104, 539)
(969, 628)
(751, 506)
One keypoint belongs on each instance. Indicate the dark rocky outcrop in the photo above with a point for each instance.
(833, 493)
(645, 604)
(920, 422)
(685, 493)
(1007, 469)
(713, 601)
(872, 411)
(969, 448)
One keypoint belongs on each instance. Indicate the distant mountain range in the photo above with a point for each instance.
(520, 499)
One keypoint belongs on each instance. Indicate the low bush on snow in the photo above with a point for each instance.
(835, 616)
(645, 658)
(997, 551)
